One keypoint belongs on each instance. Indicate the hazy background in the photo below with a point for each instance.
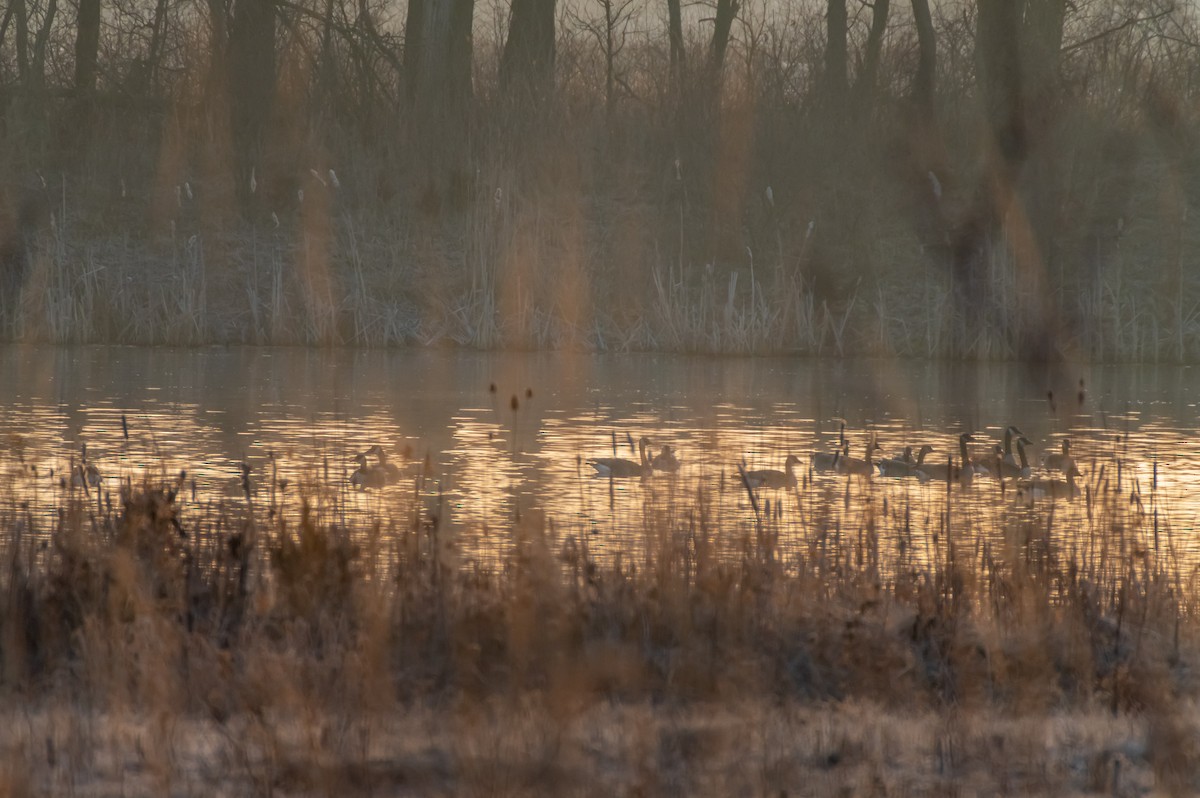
(986, 180)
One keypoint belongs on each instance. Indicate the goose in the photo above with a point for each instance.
(948, 471)
(367, 475)
(665, 460)
(989, 466)
(826, 461)
(618, 467)
(1060, 462)
(1013, 470)
(856, 467)
(1009, 433)
(85, 474)
(1052, 488)
(390, 470)
(777, 480)
(904, 467)
(999, 466)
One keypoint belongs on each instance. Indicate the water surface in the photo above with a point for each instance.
(499, 435)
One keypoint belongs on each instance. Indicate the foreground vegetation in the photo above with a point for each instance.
(646, 197)
(152, 641)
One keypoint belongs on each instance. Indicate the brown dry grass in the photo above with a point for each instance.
(150, 643)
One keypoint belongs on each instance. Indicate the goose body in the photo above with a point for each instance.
(369, 475)
(855, 467)
(1020, 470)
(776, 480)
(665, 460)
(827, 461)
(620, 468)
(1052, 488)
(1009, 434)
(948, 471)
(391, 471)
(1001, 467)
(1060, 461)
(86, 475)
(905, 466)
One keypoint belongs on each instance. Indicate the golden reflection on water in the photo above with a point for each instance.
(485, 457)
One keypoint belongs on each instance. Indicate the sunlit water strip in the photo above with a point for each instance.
(489, 439)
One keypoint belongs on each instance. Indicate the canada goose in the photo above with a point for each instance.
(1009, 433)
(390, 470)
(949, 471)
(999, 466)
(825, 461)
(856, 467)
(665, 460)
(905, 459)
(85, 475)
(367, 475)
(989, 466)
(619, 467)
(1014, 470)
(905, 467)
(769, 478)
(1060, 462)
(1052, 488)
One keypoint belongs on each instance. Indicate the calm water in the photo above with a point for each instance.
(302, 414)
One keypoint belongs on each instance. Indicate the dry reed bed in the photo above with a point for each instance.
(268, 644)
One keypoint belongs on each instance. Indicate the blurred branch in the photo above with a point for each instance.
(1117, 29)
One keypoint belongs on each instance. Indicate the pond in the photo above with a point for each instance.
(486, 438)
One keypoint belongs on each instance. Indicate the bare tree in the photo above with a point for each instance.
(610, 30)
(923, 82)
(251, 81)
(437, 57)
(865, 84)
(87, 44)
(727, 11)
(675, 36)
(836, 59)
(528, 61)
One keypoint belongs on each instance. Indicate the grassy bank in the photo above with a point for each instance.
(278, 641)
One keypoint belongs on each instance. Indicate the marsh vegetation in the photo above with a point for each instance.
(308, 634)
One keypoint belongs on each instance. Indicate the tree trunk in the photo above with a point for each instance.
(37, 74)
(437, 57)
(21, 13)
(998, 52)
(156, 38)
(251, 83)
(836, 28)
(87, 46)
(1042, 39)
(865, 85)
(675, 36)
(528, 61)
(923, 82)
(726, 12)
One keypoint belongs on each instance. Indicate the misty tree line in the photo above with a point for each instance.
(963, 97)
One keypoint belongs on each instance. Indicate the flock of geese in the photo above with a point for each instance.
(1004, 461)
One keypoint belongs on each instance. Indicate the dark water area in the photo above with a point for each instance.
(491, 436)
